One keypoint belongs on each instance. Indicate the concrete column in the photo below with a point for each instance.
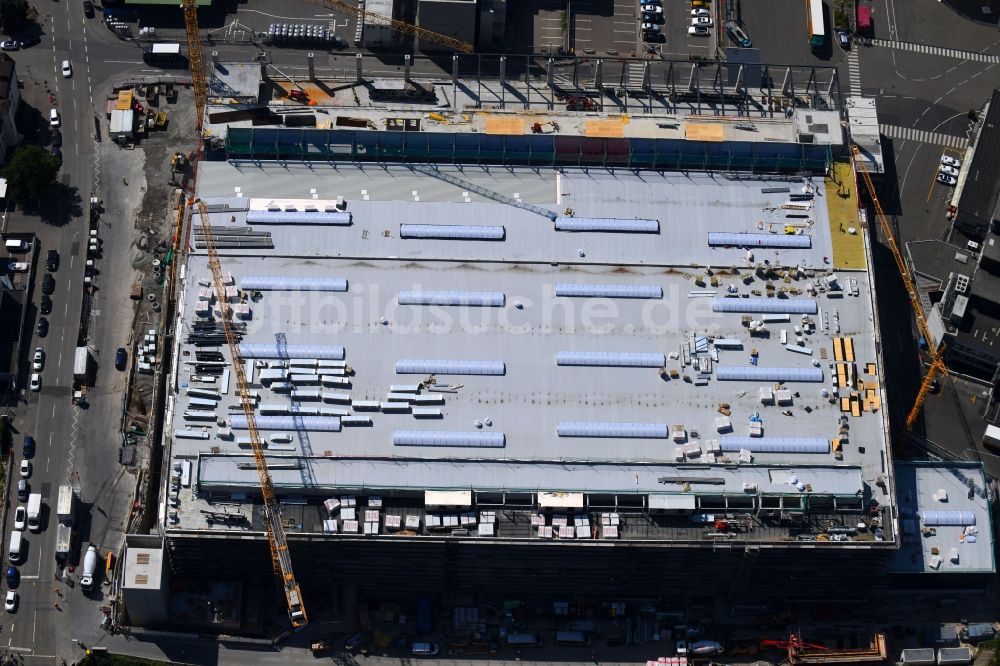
(407, 63)
(646, 75)
(454, 70)
(503, 81)
(741, 83)
(550, 74)
(599, 76)
(360, 74)
(693, 80)
(311, 60)
(787, 85)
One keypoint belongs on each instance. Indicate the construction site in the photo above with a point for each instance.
(533, 353)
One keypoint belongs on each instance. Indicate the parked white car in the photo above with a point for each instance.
(951, 161)
(700, 12)
(947, 180)
(951, 171)
(699, 30)
(38, 361)
(54, 119)
(36, 382)
(652, 9)
(702, 20)
(25, 469)
(20, 518)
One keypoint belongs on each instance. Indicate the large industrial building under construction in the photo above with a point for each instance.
(541, 381)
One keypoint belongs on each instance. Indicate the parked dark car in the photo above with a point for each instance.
(121, 357)
(29, 40)
(654, 37)
(56, 153)
(88, 8)
(23, 490)
(48, 283)
(13, 577)
(43, 327)
(55, 138)
(46, 305)
(28, 448)
(52, 261)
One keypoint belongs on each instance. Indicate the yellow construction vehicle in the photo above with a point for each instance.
(936, 365)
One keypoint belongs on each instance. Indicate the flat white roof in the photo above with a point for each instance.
(945, 519)
(469, 371)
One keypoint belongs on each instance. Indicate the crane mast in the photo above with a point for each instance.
(281, 560)
(197, 60)
(936, 365)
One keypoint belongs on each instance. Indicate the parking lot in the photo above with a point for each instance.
(613, 27)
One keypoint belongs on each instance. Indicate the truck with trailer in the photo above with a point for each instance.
(65, 505)
(81, 368)
(64, 543)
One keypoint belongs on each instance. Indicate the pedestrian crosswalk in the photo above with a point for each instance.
(936, 50)
(854, 73)
(923, 136)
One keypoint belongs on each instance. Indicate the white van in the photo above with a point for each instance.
(524, 640)
(16, 543)
(17, 245)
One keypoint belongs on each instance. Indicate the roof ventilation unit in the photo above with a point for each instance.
(727, 239)
(292, 283)
(610, 429)
(756, 373)
(611, 359)
(765, 305)
(451, 232)
(493, 299)
(609, 290)
(409, 366)
(273, 350)
(474, 439)
(608, 224)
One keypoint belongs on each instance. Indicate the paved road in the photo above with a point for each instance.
(74, 446)
(49, 415)
(928, 67)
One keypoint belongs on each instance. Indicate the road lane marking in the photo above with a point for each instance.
(974, 56)
(125, 62)
(59, 363)
(923, 136)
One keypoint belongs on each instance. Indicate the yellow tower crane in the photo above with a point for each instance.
(196, 59)
(280, 558)
(937, 365)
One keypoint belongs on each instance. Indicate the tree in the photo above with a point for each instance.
(31, 175)
(13, 15)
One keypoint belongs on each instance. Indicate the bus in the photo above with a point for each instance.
(164, 55)
(817, 27)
